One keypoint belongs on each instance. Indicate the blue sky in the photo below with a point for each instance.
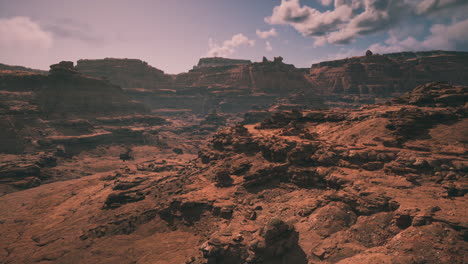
(173, 34)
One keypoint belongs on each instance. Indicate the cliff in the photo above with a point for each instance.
(6, 67)
(235, 88)
(29, 100)
(384, 75)
(67, 93)
(127, 73)
(218, 61)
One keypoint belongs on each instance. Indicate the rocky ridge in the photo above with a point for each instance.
(231, 88)
(363, 79)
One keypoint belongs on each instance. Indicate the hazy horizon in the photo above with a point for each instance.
(173, 35)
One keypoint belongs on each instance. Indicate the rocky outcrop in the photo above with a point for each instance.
(275, 240)
(127, 73)
(345, 149)
(268, 77)
(436, 94)
(38, 110)
(231, 86)
(26, 171)
(239, 87)
(384, 75)
(66, 93)
(218, 61)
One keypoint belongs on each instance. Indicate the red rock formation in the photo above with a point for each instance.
(217, 61)
(238, 88)
(379, 184)
(127, 73)
(384, 75)
(66, 93)
(35, 107)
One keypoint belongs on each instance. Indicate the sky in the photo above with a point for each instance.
(172, 35)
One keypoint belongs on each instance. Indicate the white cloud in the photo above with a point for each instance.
(350, 19)
(445, 37)
(306, 20)
(268, 46)
(266, 34)
(21, 33)
(229, 46)
(429, 6)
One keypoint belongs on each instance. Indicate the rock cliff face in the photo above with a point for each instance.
(274, 77)
(35, 107)
(218, 61)
(66, 93)
(226, 85)
(6, 67)
(384, 75)
(127, 73)
(230, 86)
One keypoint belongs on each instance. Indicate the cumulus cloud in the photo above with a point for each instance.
(21, 33)
(228, 47)
(266, 34)
(309, 21)
(268, 46)
(445, 37)
(349, 19)
(429, 6)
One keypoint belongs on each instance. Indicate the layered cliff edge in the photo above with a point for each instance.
(127, 73)
(388, 74)
(14, 68)
(230, 85)
(34, 108)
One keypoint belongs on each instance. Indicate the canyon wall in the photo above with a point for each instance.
(229, 86)
(384, 75)
(218, 61)
(35, 106)
(232, 86)
(127, 73)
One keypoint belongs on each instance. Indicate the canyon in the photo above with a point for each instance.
(360, 160)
